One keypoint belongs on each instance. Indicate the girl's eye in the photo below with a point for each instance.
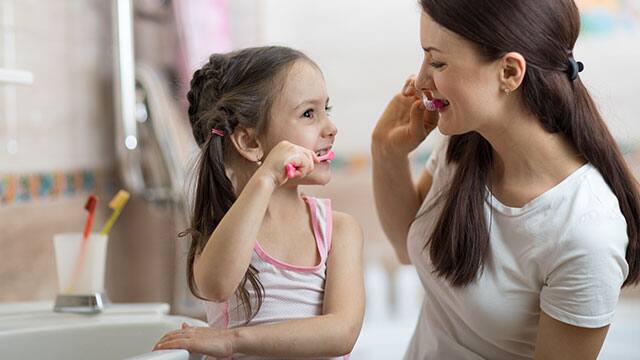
(308, 113)
(328, 109)
(436, 65)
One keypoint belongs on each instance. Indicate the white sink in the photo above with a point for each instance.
(121, 331)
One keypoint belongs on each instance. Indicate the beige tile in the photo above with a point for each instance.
(27, 271)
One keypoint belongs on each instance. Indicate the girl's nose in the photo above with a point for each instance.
(330, 129)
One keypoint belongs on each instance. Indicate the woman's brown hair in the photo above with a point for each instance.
(544, 32)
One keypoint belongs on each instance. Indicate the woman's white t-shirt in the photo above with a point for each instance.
(562, 253)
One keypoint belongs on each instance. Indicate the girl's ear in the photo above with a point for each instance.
(513, 69)
(247, 144)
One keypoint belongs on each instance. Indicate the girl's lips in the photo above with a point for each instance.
(290, 169)
(327, 157)
(322, 151)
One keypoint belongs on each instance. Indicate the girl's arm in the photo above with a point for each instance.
(560, 341)
(225, 258)
(333, 333)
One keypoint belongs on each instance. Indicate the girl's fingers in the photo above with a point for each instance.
(171, 334)
(177, 334)
(174, 344)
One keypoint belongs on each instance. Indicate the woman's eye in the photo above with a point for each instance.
(436, 65)
(308, 113)
(328, 109)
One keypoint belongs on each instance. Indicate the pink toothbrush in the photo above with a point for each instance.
(291, 168)
(432, 105)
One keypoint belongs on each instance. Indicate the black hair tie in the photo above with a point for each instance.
(574, 67)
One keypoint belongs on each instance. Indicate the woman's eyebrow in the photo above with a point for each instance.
(431, 48)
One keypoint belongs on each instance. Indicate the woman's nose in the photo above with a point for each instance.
(424, 80)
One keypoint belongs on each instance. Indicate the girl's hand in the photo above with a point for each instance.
(405, 123)
(200, 340)
(284, 153)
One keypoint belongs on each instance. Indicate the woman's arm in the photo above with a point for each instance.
(402, 127)
(560, 341)
(333, 333)
(397, 199)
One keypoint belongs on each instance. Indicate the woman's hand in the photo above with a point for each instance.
(200, 340)
(285, 153)
(405, 122)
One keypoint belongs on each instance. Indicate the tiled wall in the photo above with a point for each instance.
(64, 120)
(63, 123)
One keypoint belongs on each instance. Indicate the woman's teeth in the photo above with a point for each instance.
(435, 104)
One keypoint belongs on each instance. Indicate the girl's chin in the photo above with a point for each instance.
(319, 177)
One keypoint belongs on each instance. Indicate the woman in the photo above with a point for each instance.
(524, 225)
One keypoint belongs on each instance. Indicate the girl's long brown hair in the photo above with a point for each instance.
(232, 89)
(544, 32)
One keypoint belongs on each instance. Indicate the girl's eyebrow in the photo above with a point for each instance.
(311, 101)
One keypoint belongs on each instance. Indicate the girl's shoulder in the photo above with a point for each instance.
(346, 228)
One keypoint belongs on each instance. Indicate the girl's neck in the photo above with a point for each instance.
(285, 203)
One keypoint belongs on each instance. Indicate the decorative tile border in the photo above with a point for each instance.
(23, 188)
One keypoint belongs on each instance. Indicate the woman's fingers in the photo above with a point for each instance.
(409, 88)
(416, 118)
(422, 121)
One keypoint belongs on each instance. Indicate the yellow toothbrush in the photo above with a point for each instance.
(117, 203)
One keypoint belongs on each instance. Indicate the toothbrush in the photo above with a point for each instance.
(90, 206)
(432, 105)
(117, 203)
(291, 168)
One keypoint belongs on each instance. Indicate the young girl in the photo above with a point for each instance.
(280, 273)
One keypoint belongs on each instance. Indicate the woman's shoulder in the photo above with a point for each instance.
(595, 210)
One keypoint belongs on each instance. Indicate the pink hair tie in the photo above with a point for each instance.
(217, 132)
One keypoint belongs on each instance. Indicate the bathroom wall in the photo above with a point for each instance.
(64, 129)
